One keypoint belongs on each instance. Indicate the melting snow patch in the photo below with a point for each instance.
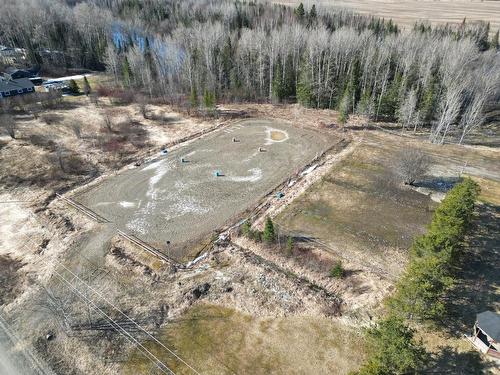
(309, 170)
(161, 168)
(256, 175)
(127, 204)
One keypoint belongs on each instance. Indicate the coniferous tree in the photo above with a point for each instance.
(393, 349)
(389, 101)
(436, 255)
(269, 235)
(345, 106)
(193, 98)
(148, 57)
(86, 86)
(208, 100)
(366, 105)
(289, 245)
(73, 87)
(300, 12)
(246, 228)
(313, 14)
(428, 107)
(304, 87)
(227, 63)
(126, 72)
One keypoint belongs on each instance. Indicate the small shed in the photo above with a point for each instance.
(486, 334)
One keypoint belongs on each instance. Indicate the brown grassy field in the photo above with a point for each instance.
(407, 12)
(356, 209)
(219, 340)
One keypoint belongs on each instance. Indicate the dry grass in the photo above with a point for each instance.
(218, 340)
(357, 208)
(69, 144)
(490, 191)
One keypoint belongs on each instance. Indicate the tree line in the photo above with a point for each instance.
(442, 78)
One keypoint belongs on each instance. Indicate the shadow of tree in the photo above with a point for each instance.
(475, 291)
(440, 184)
(478, 281)
(451, 361)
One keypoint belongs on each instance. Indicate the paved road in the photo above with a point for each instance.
(14, 361)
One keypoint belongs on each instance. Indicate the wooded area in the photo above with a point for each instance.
(443, 77)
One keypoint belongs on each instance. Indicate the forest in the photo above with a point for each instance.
(441, 79)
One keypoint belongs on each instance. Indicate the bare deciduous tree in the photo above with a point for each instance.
(407, 113)
(410, 165)
(238, 53)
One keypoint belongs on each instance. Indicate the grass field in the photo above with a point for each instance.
(357, 209)
(407, 12)
(217, 340)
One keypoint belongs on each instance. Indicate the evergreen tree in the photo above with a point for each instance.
(394, 349)
(366, 105)
(436, 255)
(73, 87)
(345, 105)
(246, 228)
(193, 98)
(299, 11)
(284, 80)
(126, 72)
(269, 235)
(337, 270)
(148, 56)
(313, 14)
(278, 85)
(208, 100)
(304, 87)
(420, 291)
(86, 86)
(428, 102)
(227, 63)
(389, 102)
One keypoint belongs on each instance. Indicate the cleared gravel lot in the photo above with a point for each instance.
(183, 201)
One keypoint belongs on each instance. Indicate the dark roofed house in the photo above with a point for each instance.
(486, 334)
(14, 73)
(13, 87)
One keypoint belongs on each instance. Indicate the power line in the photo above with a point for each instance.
(124, 332)
(162, 366)
(121, 312)
(130, 319)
